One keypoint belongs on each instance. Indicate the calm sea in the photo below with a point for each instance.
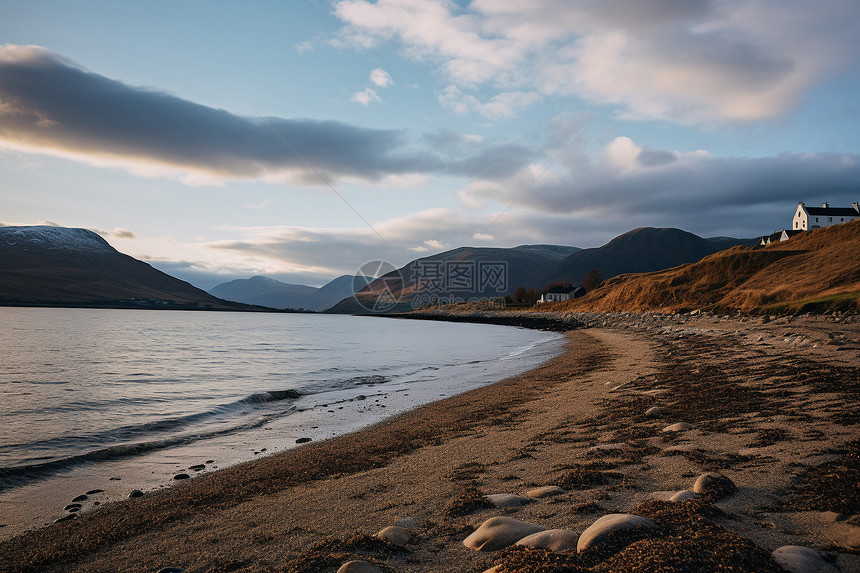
(84, 387)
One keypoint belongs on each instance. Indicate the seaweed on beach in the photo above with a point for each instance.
(330, 554)
(580, 477)
(519, 559)
(470, 500)
(831, 486)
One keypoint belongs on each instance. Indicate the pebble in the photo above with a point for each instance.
(607, 447)
(797, 559)
(506, 499)
(679, 427)
(305, 441)
(95, 491)
(599, 531)
(72, 506)
(198, 467)
(545, 491)
(182, 476)
(171, 570)
(499, 532)
(134, 493)
(359, 567)
(82, 497)
(69, 517)
(551, 539)
(405, 522)
(682, 495)
(655, 412)
(114, 479)
(715, 484)
(395, 535)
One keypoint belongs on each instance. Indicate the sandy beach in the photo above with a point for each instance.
(772, 405)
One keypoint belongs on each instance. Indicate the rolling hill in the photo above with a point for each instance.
(813, 271)
(58, 266)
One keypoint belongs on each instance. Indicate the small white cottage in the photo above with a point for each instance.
(559, 294)
(806, 218)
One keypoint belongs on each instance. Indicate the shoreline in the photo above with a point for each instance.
(507, 437)
(36, 502)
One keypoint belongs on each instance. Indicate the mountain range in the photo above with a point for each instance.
(61, 266)
(265, 291)
(42, 265)
(641, 250)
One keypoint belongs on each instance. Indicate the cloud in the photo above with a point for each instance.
(501, 106)
(366, 96)
(52, 106)
(380, 78)
(121, 233)
(261, 205)
(627, 186)
(688, 62)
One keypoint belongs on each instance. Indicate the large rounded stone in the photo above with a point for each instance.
(506, 499)
(395, 535)
(714, 484)
(405, 522)
(599, 531)
(797, 559)
(499, 532)
(682, 495)
(359, 567)
(545, 491)
(551, 539)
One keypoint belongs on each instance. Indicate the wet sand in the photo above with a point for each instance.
(772, 406)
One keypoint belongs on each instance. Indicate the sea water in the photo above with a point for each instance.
(91, 397)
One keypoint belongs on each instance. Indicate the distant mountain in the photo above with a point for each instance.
(268, 292)
(458, 274)
(43, 265)
(723, 243)
(638, 251)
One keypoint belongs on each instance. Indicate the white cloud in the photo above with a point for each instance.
(484, 237)
(380, 78)
(501, 106)
(366, 96)
(121, 233)
(261, 205)
(688, 62)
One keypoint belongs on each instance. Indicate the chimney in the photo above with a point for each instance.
(856, 206)
(825, 205)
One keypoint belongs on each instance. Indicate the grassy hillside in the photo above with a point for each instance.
(813, 271)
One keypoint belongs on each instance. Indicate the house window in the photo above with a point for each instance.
(829, 219)
(842, 220)
(795, 224)
(816, 219)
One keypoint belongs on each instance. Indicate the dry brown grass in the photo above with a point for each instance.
(815, 270)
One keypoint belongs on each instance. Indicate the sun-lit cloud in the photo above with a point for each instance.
(687, 62)
(380, 78)
(366, 96)
(503, 105)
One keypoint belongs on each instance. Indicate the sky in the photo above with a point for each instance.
(301, 140)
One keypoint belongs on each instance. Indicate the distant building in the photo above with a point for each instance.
(559, 294)
(806, 218)
(778, 236)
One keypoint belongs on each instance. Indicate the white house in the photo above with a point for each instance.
(806, 218)
(559, 294)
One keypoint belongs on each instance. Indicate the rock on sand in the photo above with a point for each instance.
(498, 533)
(655, 412)
(395, 535)
(714, 484)
(679, 427)
(599, 531)
(682, 495)
(545, 491)
(551, 539)
(359, 567)
(506, 499)
(797, 559)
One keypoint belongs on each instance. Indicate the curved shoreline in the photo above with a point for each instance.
(583, 407)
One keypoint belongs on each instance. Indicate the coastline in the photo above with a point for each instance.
(505, 438)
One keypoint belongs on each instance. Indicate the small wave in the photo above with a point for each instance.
(271, 396)
(372, 379)
(15, 476)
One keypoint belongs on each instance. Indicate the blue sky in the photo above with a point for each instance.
(301, 139)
